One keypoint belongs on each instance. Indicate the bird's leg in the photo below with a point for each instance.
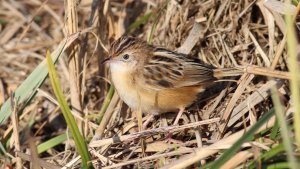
(169, 135)
(181, 110)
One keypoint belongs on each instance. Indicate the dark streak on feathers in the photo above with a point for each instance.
(165, 83)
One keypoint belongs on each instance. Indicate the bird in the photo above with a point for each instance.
(156, 80)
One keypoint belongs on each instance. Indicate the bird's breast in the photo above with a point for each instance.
(124, 84)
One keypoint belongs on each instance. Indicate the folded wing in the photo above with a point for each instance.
(167, 70)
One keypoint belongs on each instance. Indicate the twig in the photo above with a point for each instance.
(266, 72)
(260, 50)
(239, 158)
(71, 163)
(278, 52)
(75, 62)
(153, 157)
(15, 135)
(106, 116)
(255, 98)
(246, 79)
(191, 40)
(40, 161)
(198, 136)
(146, 133)
(283, 41)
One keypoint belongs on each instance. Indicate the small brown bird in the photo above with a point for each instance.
(156, 80)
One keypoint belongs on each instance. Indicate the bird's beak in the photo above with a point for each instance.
(106, 60)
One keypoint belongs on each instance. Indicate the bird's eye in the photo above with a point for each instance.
(126, 57)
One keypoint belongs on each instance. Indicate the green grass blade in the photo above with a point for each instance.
(51, 143)
(275, 151)
(294, 71)
(295, 2)
(156, 19)
(282, 165)
(106, 103)
(2, 149)
(237, 145)
(78, 138)
(284, 129)
(143, 19)
(275, 131)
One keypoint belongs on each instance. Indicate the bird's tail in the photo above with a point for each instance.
(227, 72)
(219, 73)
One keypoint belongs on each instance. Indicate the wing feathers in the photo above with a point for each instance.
(168, 69)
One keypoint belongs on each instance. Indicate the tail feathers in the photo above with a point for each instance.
(227, 72)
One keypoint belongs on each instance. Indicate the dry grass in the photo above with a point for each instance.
(223, 33)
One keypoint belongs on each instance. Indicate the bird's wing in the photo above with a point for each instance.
(167, 70)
